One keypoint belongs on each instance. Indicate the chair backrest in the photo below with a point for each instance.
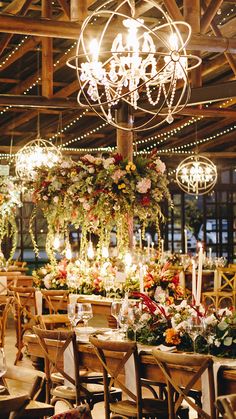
(24, 298)
(198, 364)
(52, 321)
(56, 300)
(4, 309)
(24, 281)
(227, 406)
(54, 361)
(226, 279)
(15, 404)
(112, 371)
(32, 380)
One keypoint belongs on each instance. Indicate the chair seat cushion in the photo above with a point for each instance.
(150, 406)
(67, 392)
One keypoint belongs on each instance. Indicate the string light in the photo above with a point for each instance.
(13, 51)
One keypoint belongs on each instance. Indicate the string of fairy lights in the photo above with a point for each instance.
(161, 138)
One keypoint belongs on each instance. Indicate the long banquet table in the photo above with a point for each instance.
(148, 365)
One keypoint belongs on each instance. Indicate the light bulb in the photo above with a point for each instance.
(56, 243)
(90, 252)
(94, 49)
(128, 259)
(105, 253)
(68, 253)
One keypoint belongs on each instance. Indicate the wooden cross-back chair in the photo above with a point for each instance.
(224, 293)
(136, 407)
(199, 364)
(227, 406)
(5, 306)
(13, 404)
(25, 314)
(52, 321)
(80, 389)
(56, 300)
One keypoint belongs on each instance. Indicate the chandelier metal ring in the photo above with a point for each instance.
(35, 154)
(196, 175)
(145, 72)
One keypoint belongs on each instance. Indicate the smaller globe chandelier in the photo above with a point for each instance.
(37, 153)
(196, 175)
(144, 67)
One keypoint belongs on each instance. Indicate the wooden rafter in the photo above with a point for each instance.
(209, 14)
(173, 9)
(65, 7)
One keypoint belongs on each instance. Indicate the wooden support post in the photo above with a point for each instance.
(47, 58)
(192, 16)
(125, 148)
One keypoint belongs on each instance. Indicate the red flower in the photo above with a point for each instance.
(145, 201)
(118, 158)
(175, 279)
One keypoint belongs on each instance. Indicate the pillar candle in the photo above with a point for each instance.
(162, 247)
(210, 253)
(141, 275)
(185, 241)
(148, 245)
(140, 238)
(199, 275)
(194, 283)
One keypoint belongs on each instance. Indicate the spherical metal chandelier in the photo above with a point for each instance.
(196, 175)
(134, 62)
(35, 154)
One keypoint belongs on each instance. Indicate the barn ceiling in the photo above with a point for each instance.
(38, 37)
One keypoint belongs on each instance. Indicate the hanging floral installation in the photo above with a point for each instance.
(10, 199)
(99, 194)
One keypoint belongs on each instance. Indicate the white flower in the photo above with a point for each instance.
(86, 206)
(217, 343)
(90, 158)
(56, 199)
(108, 162)
(90, 189)
(210, 320)
(91, 170)
(45, 198)
(143, 185)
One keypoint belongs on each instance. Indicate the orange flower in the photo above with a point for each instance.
(172, 337)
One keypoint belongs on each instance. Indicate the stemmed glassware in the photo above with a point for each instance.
(85, 312)
(115, 311)
(3, 364)
(134, 317)
(73, 314)
(194, 329)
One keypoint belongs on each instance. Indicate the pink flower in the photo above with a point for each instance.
(108, 162)
(117, 175)
(160, 166)
(143, 185)
(89, 158)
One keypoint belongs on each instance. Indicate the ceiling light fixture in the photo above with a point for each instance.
(196, 175)
(144, 66)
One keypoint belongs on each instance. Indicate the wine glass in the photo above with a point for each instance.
(134, 318)
(194, 329)
(3, 364)
(115, 311)
(71, 312)
(85, 312)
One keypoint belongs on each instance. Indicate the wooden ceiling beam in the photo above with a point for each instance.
(47, 55)
(65, 7)
(71, 30)
(173, 9)
(218, 33)
(28, 45)
(209, 112)
(7, 37)
(209, 14)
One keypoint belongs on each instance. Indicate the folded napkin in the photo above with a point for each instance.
(166, 348)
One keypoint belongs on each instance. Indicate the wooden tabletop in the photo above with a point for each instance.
(149, 367)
